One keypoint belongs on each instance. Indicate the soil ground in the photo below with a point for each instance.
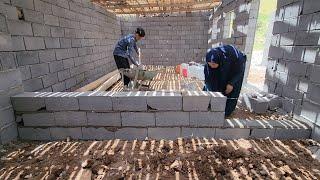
(150, 159)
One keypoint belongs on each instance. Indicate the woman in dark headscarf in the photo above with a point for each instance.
(224, 72)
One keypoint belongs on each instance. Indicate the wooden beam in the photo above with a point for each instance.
(114, 7)
(172, 10)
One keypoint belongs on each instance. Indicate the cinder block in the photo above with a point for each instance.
(232, 133)
(310, 6)
(47, 55)
(38, 119)
(42, 7)
(33, 16)
(19, 28)
(131, 133)
(34, 43)
(218, 101)
(91, 133)
(172, 118)
(164, 133)
(55, 66)
(9, 79)
(262, 133)
(196, 100)
(18, 43)
(315, 74)
(52, 42)
(198, 132)
(310, 111)
(39, 69)
(206, 119)
(164, 101)
(59, 87)
(50, 79)
(62, 101)
(28, 101)
(8, 61)
(104, 119)
(129, 101)
(27, 57)
(256, 103)
(138, 119)
(95, 101)
(8, 11)
(32, 85)
(292, 133)
(28, 4)
(40, 134)
(63, 133)
(6, 42)
(57, 31)
(316, 133)
(8, 133)
(70, 118)
(6, 116)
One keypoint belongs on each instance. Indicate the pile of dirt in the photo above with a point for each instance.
(183, 158)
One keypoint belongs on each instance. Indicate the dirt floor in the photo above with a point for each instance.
(150, 159)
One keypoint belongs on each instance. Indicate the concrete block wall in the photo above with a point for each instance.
(293, 65)
(57, 45)
(244, 26)
(170, 39)
(125, 115)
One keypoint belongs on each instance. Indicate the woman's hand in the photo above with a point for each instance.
(229, 89)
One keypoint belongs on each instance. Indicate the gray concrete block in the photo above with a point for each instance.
(198, 132)
(6, 116)
(28, 4)
(68, 63)
(164, 133)
(19, 28)
(315, 73)
(34, 43)
(164, 101)
(18, 43)
(33, 16)
(51, 20)
(8, 133)
(256, 103)
(27, 57)
(62, 102)
(310, 111)
(47, 55)
(42, 7)
(55, 66)
(262, 133)
(59, 87)
(52, 42)
(63, 75)
(91, 133)
(8, 11)
(66, 53)
(316, 133)
(63, 133)
(27, 102)
(232, 133)
(40, 134)
(172, 119)
(129, 101)
(292, 133)
(39, 69)
(6, 44)
(111, 119)
(7, 61)
(310, 6)
(70, 118)
(71, 82)
(38, 119)
(5, 95)
(196, 101)
(65, 43)
(206, 119)
(9, 79)
(57, 31)
(32, 85)
(218, 101)
(138, 119)
(95, 101)
(131, 133)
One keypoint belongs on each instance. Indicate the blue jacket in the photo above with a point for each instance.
(230, 71)
(125, 46)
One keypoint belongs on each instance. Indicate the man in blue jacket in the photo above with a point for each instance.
(224, 72)
(124, 49)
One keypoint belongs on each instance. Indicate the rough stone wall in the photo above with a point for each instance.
(294, 65)
(58, 45)
(243, 25)
(172, 39)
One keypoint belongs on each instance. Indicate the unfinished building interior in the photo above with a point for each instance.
(59, 79)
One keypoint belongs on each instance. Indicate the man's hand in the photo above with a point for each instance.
(229, 89)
